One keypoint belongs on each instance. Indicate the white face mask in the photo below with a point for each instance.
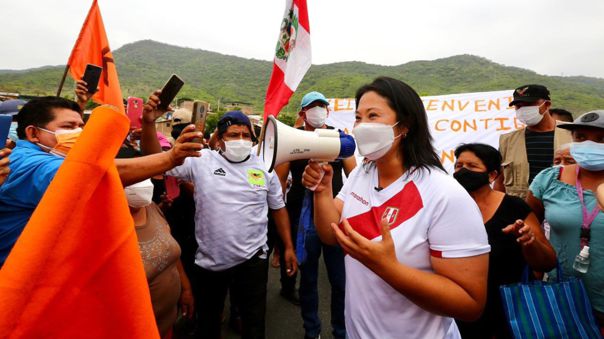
(140, 194)
(529, 115)
(237, 150)
(374, 139)
(316, 116)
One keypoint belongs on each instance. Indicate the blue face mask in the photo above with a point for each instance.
(12, 134)
(588, 155)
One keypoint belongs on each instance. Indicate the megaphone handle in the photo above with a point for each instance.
(321, 164)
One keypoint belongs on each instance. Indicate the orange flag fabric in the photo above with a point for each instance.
(92, 47)
(76, 270)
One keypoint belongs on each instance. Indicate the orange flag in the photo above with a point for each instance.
(92, 47)
(76, 270)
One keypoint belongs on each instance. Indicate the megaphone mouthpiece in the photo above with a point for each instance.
(347, 145)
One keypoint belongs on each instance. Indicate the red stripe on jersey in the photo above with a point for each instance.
(398, 209)
(436, 254)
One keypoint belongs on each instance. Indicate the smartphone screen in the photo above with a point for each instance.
(134, 109)
(92, 75)
(5, 121)
(168, 93)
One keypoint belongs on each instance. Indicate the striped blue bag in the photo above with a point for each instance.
(559, 309)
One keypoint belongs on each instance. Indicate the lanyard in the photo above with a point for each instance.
(588, 218)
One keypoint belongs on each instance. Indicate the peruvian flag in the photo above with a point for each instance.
(292, 57)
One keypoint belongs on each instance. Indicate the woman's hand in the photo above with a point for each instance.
(523, 232)
(372, 254)
(187, 303)
(319, 175)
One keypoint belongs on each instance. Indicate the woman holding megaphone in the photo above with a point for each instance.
(417, 250)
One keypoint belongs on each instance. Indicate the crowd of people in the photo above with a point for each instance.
(410, 250)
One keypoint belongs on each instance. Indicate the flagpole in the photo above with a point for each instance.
(261, 138)
(63, 80)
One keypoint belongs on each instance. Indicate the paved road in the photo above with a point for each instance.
(283, 320)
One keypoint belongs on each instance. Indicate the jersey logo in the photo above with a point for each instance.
(390, 214)
(220, 172)
(255, 178)
(401, 207)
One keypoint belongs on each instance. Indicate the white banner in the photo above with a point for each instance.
(454, 119)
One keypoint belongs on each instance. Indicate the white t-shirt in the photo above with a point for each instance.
(232, 202)
(430, 214)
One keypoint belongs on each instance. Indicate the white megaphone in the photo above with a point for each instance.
(282, 143)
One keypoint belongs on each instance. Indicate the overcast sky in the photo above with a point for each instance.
(554, 37)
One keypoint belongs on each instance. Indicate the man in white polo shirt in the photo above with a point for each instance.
(233, 193)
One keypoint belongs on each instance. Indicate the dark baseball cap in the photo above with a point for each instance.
(592, 119)
(530, 93)
(234, 118)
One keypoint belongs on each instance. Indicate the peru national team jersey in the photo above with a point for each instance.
(430, 214)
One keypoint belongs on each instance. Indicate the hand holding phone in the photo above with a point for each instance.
(169, 91)
(200, 113)
(92, 75)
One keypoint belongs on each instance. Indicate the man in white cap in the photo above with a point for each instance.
(314, 111)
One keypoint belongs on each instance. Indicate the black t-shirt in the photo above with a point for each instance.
(181, 218)
(506, 264)
(295, 196)
(539, 151)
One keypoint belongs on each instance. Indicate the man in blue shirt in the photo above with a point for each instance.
(47, 129)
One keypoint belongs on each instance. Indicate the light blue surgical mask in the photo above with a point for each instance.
(12, 134)
(588, 155)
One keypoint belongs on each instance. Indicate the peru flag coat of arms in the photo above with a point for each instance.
(292, 57)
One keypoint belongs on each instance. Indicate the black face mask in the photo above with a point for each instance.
(471, 180)
(159, 188)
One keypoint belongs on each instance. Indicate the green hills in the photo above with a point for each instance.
(146, 65)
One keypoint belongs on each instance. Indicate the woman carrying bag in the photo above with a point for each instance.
(515, 236)
(565, 197)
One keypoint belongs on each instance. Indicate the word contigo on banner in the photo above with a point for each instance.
(454, 119)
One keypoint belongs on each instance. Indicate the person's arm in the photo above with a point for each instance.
(327, 210)
(600, 196)
(536, 205)
(456, 288)
(186, 301)
(349, 164)
(537, 251)
(149, 141)
(81, 94)
(135, 170)
(499, 185)
(283, 172)
(284, 229)
(4, 161)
